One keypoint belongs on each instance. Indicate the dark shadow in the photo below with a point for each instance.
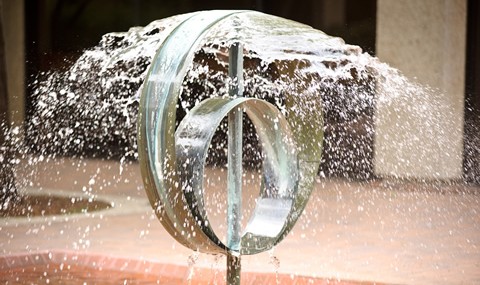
(471, 158)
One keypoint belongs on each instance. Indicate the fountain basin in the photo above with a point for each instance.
(68, 267)
(388, 231)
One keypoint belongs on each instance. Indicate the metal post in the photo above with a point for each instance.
(235, 134)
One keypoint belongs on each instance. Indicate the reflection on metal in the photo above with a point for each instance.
(173, 161)
(235, 134)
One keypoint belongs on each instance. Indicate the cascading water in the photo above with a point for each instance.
(91, 109)
(100, 92)
(101, 89)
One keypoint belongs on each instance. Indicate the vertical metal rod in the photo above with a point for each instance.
(235, 134)
(233, 269)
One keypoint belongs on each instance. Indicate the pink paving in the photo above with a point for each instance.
(389, 231)
(92, 267)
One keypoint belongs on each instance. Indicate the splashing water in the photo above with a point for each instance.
(215, 267)
(275, 263)
(192, 261)
(91, 109)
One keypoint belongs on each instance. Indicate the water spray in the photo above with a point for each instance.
(173, 160)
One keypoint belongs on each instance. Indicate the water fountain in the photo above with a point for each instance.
(298, 86)
(173, 162)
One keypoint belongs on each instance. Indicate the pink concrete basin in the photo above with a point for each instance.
(72, 268)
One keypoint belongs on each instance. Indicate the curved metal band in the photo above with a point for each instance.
(280, 171)
(160, 93)
(174, 187)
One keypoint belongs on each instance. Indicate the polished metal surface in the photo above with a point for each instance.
(173, 160)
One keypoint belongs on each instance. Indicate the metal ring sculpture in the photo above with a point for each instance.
(172, 161)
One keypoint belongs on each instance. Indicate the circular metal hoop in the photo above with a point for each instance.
(172, 162)
(280, 171)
